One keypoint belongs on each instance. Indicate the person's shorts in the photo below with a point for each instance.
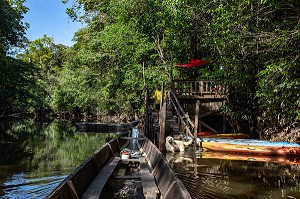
(157, 107)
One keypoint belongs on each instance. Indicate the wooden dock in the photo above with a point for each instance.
(184, 110)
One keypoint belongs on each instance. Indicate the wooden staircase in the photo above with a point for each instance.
(172, 127)
(173, 120)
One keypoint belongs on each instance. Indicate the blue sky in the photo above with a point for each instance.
(49, 17)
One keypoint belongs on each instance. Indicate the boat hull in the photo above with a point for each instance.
(101, 127)
(91, 176)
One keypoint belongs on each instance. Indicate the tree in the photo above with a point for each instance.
(16, 82)
(48, 58)
(12, 29)
(44, 54)
(253, 41)
(16, 76)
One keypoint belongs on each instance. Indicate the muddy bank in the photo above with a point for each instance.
(287, 134)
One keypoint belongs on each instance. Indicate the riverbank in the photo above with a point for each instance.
(102, 118)
(271, 134)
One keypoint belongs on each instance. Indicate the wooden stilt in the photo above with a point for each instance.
(162, 122)
(224, 124)
(196, 123)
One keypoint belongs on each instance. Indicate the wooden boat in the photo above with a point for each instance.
(90, 178)
(251, 146)
(225, 135)
(101, 127)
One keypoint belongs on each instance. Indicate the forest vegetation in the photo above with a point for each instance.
(252, 47)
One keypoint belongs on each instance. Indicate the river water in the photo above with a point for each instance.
(232, 176)
(36, 156)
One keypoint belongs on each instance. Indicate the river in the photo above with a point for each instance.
(212, 175)
(36, 156)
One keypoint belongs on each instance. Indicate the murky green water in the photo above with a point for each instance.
(217, 175)
(35, 157)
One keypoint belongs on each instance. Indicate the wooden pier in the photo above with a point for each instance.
(185, 111)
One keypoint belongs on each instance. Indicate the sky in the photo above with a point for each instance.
(49, 17)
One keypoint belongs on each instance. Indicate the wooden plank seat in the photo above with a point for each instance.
(150, 189)
(132, 138)
(127, 177)
(130, 160)
(95, 188)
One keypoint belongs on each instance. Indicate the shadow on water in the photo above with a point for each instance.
(37, 156)
(209, 175)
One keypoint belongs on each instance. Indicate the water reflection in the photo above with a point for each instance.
(36, 157)
(207, 175)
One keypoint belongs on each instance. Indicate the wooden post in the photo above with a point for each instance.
(171, 75)
(162, 122)
(98, 114)
(187, 125)
(196, 123)
(147, 119)
(162, 94)
(144, 78)
(224, 123)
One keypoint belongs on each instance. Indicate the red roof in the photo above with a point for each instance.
(193, 63)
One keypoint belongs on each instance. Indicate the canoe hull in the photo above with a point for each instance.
(101, 127)
(91, 176)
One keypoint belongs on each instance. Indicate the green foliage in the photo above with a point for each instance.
(115, 55)
(279, 94)
(74, 90)
(44, 54)
(244, 38)
(17, 78)
(48, 59)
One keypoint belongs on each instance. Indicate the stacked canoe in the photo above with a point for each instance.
(250, 146)
(294, 160)
(225, 135)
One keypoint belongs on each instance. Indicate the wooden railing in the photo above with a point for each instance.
(199, 89)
